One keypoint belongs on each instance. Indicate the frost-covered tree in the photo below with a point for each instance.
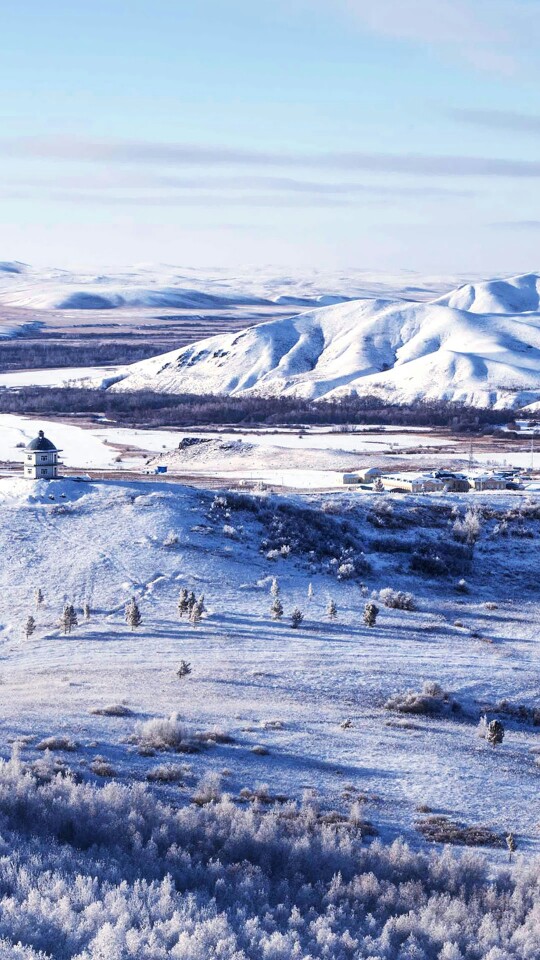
(86, 610)
(184, 669)
(511, 844)
(296, 618)
(310, 592)
(29, 627)
(331, 610)
(40, 599)
(378, 485)
(183, 602)
(468, 529)
(277, 609)
(370, 613)
(69, 619)
(495, 732)
(195, 614)
(192, 600)
(133, 614)
(200, 604)
(274, 589)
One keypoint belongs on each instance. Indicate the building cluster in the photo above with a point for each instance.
(373, 478)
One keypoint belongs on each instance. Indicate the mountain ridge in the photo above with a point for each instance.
(449, 348)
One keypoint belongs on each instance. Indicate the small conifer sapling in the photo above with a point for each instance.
(133, 614)
(371, 611)
(296, 618)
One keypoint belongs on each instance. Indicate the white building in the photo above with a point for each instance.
(41, 459)
(412, 483)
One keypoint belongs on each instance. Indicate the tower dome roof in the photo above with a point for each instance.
(40, 443)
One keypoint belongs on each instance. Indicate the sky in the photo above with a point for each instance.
(380, 135)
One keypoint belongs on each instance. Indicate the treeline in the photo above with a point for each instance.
(147, 409)
(43, 354)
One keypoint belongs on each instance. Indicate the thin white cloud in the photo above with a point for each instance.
(499, 35)
(138, 153)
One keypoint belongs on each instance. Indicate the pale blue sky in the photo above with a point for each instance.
(374, 134)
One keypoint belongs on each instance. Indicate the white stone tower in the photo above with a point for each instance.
(41, 459)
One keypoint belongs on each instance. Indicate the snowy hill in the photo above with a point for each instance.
(162, 285)
(479, 344)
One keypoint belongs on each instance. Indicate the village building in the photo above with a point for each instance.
(412, 483)
(453, 482)
(41, 459)
(488, 481)
(363, 475)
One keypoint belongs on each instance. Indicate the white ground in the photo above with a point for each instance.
(104, 542)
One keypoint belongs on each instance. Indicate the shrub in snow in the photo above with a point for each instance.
(112, 710)
(259, 750)
(171, 540)
(167, 773)
(495, 732)
(163, 733)
(371, 611)
(331, 610)
(184, 669)
(57, 743)
(468, 529)
(230, 532)
(346, 571)
(462, 586)
(208, 790)
(102, 768)
(397, 599)
(440, 829)
(273, 555)
(432, 700)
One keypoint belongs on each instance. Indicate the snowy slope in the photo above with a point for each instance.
(478, 345)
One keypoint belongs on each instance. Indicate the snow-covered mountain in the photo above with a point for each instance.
(479, 344)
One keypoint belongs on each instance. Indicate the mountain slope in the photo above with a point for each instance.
(478, 345)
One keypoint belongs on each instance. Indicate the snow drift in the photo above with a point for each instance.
(479, 345)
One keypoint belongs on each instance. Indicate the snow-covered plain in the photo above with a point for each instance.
(478, 345)
(311, 700)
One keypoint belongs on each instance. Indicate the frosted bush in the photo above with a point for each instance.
(162, 733)
(112, 710)
(397, 599)
(57, 743)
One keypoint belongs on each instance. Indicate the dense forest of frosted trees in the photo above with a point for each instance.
(107, 873)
